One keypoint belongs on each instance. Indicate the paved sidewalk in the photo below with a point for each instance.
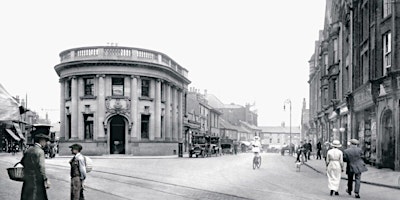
(374, 176)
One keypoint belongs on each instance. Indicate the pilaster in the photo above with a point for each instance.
(74, 108)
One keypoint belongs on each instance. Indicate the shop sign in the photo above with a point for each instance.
(363, 97)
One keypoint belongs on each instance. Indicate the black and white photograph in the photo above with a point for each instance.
(216, 100)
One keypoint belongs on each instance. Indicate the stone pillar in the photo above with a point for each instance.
(167, 116)
(63, 132)
(157, 110)
(174, 114)
(81, 109)
(134, 107)
(152, 125)
(139, 115)
(180, 115)
(101, 108)
(74, 108)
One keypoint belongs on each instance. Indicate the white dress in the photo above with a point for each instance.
(256, 146)
(334, 170)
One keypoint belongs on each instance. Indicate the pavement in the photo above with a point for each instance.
(374, 176)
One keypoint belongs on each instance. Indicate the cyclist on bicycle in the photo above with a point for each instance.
(256, 146)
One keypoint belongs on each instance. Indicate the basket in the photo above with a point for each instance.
(16, 173)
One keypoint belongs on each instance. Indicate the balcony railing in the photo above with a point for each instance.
(121, 53)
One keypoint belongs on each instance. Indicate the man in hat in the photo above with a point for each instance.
(35, 179)
(355, 166)
(78, 172)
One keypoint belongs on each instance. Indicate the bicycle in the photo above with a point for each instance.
(256, 161)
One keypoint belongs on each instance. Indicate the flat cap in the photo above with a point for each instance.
(76, 146)
(42, 135)
(354, 141)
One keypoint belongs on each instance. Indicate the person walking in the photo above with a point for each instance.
(305, 149)
(309, 149)
(334, 165)
(355, 166)
(35, 179)
(78, 172)
(319, 148)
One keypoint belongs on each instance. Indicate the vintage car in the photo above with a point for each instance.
(198, 146)
(227, 146)
(213, 146)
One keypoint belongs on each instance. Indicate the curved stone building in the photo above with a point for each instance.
(121, 100)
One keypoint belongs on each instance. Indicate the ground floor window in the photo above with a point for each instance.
(145, 126)
(88, 123)
(69, 126)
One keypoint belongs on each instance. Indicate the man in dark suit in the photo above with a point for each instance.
(309, 149)
(35, 179)
(355, 166)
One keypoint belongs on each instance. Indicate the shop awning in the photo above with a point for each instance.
(9, 109)
(9, 131)
(19, 132)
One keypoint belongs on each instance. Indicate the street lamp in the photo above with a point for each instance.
(287, 101)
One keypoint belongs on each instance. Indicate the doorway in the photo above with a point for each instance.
(117, 135)
(388, 141)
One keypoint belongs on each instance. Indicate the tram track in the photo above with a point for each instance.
(184, 191)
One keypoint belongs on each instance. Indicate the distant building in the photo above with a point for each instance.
(278, 136)
(121, 100)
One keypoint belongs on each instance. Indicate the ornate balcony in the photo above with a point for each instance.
(121, 53)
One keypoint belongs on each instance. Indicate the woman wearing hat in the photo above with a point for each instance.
(334, 163)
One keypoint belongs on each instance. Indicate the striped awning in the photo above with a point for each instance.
(19, 132)
(9, 131)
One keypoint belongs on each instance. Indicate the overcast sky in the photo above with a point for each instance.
(240, 51)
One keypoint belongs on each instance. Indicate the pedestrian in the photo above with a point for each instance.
(78, 172)
(325, 149)
(355, 166)
(305, 150)
(309, 149)
(35, 179)
(334, 168)
(319, 148)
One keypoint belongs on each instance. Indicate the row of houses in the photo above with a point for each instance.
(206, 114)
(355, 81)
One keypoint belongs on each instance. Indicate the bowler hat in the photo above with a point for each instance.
(354, 141)
(76, 146)
(42, 135)
(336, 143)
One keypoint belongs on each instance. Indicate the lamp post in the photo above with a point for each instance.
(288, 101)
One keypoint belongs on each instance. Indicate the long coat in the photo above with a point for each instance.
(354, 161)
(34, 174)
(334, 161)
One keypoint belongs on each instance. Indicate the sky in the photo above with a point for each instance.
(241, 51)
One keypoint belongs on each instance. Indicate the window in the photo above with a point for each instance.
(387, 49)
(145, 88)
(89, 86)
(335, 51)
(117, 86)
(69, 88)
(270, 140)
(162, 91)
(325, 96)
(334, 89)
(387, 9)
(69, 126)
(145, 126)
(88, 123)
(326, 64)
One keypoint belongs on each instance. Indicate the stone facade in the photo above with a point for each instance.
(121, 100)
(358, 92)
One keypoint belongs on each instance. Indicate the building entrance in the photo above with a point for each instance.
(117, 135)
(388, 141)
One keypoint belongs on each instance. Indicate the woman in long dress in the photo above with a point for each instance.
(334, 163)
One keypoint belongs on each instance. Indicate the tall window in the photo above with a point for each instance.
(88, 123)
(117, 86)
(162, 91)
(69, 88)
(334, 89)
(335, 51)
(326, 64)
(145, 88)
(387, 9)
(69, 126)
(145, 126)
(387, 50)
(89, 86)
